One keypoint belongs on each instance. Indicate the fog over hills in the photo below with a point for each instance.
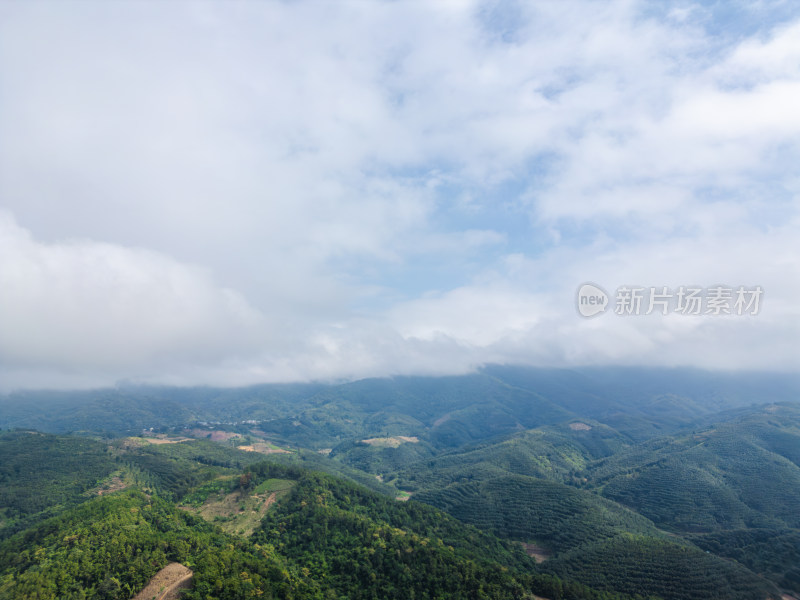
(448, 411)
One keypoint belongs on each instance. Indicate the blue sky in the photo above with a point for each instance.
(230, 193)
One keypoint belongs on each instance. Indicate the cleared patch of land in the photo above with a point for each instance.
(159, 439)
(114, 484)
(132, 442)
(441, 420)
(579, 427)
(216, 435)
(264, 448)
(538, 553)
(391, 442)
(239, 512)
(167, 583)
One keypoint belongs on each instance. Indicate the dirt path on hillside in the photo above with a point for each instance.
(167, 584)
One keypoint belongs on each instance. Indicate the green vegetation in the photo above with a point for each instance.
(219, 486)
(109, 547)
(328, 538)
(109, 412)
(558, 453)
(638, 565)
(725, 477)
(551, 514)
(205, 452)
(446, 412)
(236, 504)
(274, 485)
(772, 552)
(595, 541)
(210, 453)
(381, 457)
(364, 545)
(739, 474)
(639, 482)
(41, 474)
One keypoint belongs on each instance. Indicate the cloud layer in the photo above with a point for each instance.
(217, 193)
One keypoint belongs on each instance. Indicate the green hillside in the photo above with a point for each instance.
(209, 453)
(558, 452)
(643, 403)
(649, 482)
(322, 538)
(772, 552)
(550, 514)
(447, 412)
(109, 548)
(730, 476)
(383, 454)
(736, 475)
(41, 474)
(637, 565)
(597, 542)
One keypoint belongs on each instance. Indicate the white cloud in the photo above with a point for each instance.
(388, 187)
(82, 305)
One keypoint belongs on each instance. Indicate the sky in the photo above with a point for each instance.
(230, 193)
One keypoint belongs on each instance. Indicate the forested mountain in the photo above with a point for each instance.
(325, 538)
(726, 488)
(739, 474)
(447, 412)
(671, 484)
